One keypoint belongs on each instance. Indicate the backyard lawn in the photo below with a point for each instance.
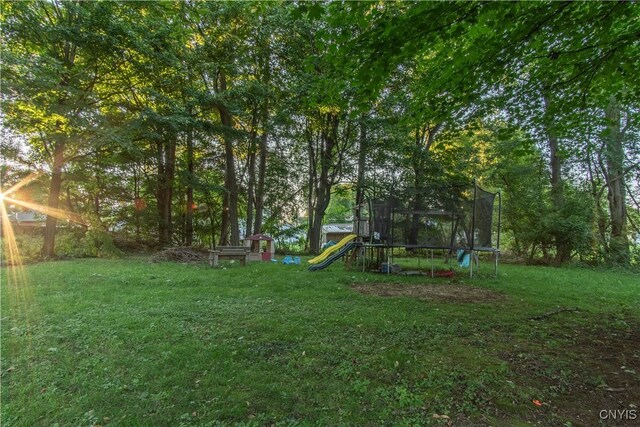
(130, 342)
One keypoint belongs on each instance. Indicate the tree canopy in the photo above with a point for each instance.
(202, 122)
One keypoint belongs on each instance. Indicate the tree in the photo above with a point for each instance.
(615, 180)
(179, 120)
(55, 55)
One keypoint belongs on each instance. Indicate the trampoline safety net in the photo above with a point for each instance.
(451, 217)
(481, 221)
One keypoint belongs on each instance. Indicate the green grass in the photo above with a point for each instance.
(128, 342)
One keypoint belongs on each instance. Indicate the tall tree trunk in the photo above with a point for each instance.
(69, 57)
(170, 155)
(599, 212)
(166, 153)
(250, 194)
(362, 158)
(264, 119)
(229, 170)
(324, 183)
(96, 196)
(563, 247)
(418, 164)
(232, 195)
(212, 220)
(313, 178)
(614, 154)
(251, 171)
(137, 203)
(160, 195)
(48, 246)
(224, 221)
(259, 200)
(424, 139)
(323, 197)
(188, 220)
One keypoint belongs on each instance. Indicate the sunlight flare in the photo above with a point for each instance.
(18, 185)
(54, 212)
(19, 293)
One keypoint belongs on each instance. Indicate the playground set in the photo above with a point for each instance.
(460, 221)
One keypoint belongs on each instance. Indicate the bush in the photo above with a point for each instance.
(29, 247)
(80, 244)
(70, 243)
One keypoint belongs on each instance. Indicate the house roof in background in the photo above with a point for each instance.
(337, 228)
(26, 216)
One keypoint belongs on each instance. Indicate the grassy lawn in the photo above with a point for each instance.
(129, 342)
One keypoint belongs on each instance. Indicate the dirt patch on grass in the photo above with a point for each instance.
(432, 292)
(598, 370)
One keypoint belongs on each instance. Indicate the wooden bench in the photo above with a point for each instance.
(228, 252)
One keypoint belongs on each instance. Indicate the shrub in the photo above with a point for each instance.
(29, 247)
(70, 243)
(78, 243)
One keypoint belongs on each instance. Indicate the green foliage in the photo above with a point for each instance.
(573, 222)
(438, 91)
(90, 243)
(289, 239)
(341, 205)
(71, 243)
(635, 256)
(29, 247)
(529, 215)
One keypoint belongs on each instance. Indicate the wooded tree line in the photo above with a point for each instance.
(196, 122)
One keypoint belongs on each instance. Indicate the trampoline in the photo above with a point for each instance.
(440, 217)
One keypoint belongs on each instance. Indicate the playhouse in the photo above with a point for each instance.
(261, 247)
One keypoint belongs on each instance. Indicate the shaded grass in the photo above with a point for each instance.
(133, 343)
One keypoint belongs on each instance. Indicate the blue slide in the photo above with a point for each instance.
(337, 255)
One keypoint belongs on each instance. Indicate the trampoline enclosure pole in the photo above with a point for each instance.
(499, 219)
(473, 215)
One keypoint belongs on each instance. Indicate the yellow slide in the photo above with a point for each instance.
(332, 249)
